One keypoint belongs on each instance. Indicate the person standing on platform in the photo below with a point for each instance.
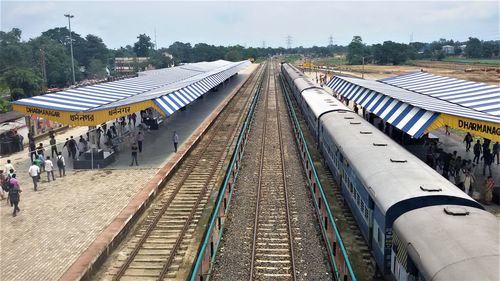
(34, 172)
(488, 159)
(496, 152)
(14, 194)
(66, 144)
(134, 149)
(9, 166)
(4, 188)
(49, 168)
(477, 152)
(489, 184)
(40, 150)
(32, 147)
(61, 165)
(140, 139)
(175, 138)
(53, 146)
(468, 141)
(468, 181)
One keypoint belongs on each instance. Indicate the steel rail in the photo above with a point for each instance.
(285, 187)
(259, 184)
(172, 196)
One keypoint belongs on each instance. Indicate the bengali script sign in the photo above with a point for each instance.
(119, 111)
(81, 117)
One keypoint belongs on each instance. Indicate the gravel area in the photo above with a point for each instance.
(233, 260)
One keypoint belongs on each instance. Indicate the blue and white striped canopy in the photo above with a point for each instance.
(150, 85)
(478, 96)
(408, 111)
(173, 101)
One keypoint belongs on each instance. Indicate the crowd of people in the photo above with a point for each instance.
(462, 172)
(44, 160)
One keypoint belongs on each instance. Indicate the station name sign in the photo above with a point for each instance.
(478, 127)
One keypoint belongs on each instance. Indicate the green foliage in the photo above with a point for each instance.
(158, 59)
(494, 62)
(143, 47)
(356, 50)
(182, 52)
(474, 48)
(5, 106)
(17, 93)
(96, 69)
(25, 79)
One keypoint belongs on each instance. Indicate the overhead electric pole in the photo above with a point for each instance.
(69, 16)
(330, 41)
(288, 41)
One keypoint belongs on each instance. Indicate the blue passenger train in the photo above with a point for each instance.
(406, 211)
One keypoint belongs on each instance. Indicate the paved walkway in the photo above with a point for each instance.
(58, 222)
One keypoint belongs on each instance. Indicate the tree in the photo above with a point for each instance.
(96, 69)
(490, 49)
(94, 49)
(159, 60)
(182, 52)
(143, 46)
(356, 50)
(474, 48)
(29, 82)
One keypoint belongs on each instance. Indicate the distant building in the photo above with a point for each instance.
(449, 50)
(126, 64)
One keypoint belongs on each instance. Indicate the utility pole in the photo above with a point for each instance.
(156, 48)
(363, 71)
(330, 41)
(44, 68)
(288, 41)
(411, 37)
(69, 16)
(263, 44)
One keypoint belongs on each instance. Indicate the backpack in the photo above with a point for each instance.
(59, 162)
(7, 186)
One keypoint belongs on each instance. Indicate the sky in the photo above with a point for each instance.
(258, 23)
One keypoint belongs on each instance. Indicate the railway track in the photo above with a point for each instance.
(160, 243)
(272, 244)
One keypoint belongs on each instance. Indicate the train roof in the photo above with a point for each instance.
(292, 71)
(391, 174)
(321, 101)
(451, 247)
(304, 83)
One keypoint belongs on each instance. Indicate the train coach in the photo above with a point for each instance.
(388, 189)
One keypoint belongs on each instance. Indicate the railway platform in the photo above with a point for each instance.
(64, 217)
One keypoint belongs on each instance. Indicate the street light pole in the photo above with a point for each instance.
(71, 46)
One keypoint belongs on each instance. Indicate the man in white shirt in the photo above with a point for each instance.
(49, 168)
(9, 166)
(34, 171)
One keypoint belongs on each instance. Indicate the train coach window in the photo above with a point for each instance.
(349, 117)
(354, 123)
(398, 160)
(430, 188)
(365, 132)
(379, 144)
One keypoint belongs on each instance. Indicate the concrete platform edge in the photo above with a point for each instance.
(93, 257)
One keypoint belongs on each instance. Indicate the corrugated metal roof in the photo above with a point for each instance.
(478, 96)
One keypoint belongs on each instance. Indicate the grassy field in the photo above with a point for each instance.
(329, 61)
(495, 62)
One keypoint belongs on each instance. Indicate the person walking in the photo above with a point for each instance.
(66, 144)
(32, 146)
(61, 165)
(34, 172)
(496, 152)
(40, 150)
(175, 138)
(81, 147)
(140, 139)
(3, 185)
(477, 152)
(9, 166)
(489, 184)
(72, 147)
(14, 194)
(53, 146)
(49, 168)
(134, 149)
(468, 141)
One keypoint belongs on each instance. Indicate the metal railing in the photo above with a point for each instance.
(337, 253)
(206, 255)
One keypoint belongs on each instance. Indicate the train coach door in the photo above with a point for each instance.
(371, 205)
